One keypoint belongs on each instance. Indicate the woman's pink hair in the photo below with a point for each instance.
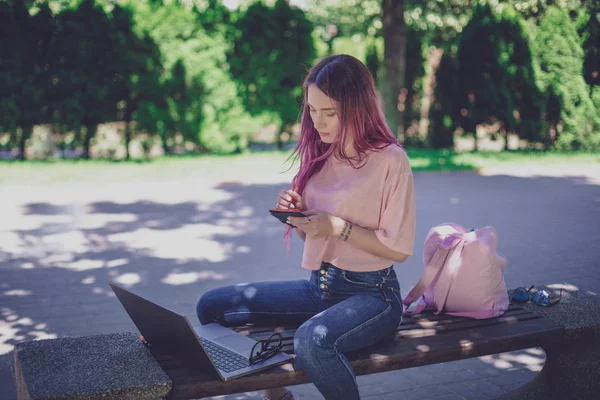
(348, 81)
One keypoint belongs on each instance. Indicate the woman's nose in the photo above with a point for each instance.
(320, 122)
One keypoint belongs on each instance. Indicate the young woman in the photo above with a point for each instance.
(355, 186)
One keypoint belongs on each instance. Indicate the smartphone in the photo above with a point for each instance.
(282, 214)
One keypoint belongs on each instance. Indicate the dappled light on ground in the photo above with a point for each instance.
(532, 359)
(15, 328)
(173, 241)
(186, 278)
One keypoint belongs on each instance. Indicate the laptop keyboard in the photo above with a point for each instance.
(225, 360)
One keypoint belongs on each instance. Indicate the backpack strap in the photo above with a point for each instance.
(433, 269)
(447, 275)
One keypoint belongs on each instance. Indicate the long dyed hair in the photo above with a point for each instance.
(348, 81)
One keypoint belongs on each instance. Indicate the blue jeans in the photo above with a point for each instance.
(338, 311)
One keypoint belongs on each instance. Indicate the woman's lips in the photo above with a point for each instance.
(323, 133)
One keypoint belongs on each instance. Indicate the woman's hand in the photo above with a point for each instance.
(291, 200)
(318, 223)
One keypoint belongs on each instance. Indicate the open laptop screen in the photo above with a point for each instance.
(165, 330)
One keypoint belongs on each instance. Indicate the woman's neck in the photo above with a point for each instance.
(349, 149)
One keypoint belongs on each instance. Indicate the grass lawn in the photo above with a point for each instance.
(90, 171)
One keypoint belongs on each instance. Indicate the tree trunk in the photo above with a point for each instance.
(25, 134)
(90, 132)
(127, 140)
(127, 117)
(433, 63)
(394, 37)
(164, 134)
(330, 47)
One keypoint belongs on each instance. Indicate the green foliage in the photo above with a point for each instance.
(139, 71)
(84, 57)
(591, 47)
(198, 72)
(442, 20)
(496, 78)
(569, 109)
(345, 18)
(24, 77)
(207, 108)
(536, 9)
(213, 16)
(271, 51)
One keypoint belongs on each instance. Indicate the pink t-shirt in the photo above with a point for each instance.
(379, 196)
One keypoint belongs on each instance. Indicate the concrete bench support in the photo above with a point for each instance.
(572, 367)
(110, 367)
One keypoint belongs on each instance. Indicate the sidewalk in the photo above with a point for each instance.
(172, 241)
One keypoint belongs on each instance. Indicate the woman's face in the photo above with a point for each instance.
(324, 113)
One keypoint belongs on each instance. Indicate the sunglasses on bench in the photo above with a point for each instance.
(540, 297)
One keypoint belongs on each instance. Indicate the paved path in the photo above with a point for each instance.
(171, 241)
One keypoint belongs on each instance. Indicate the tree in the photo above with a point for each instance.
(394, 37)
(568, 108)
(214, 16)
(415, 94)
(271, 51)
(334, 19)
(372, 60)
(84, 57)
(215, 118)
(444, 109)
(139, 70)
(495, 75)
(24, 62)
(591, 47)
(183, 93)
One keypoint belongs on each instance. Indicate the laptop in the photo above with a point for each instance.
(212, 348)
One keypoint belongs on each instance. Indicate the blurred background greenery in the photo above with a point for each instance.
(145, 79)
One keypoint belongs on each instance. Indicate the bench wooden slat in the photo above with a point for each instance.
(288, 345)
(407, 323)
(428, 330)
(463, 325)
(411, 323)
(421, 322)
(449, 345)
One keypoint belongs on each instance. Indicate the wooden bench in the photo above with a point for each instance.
(569, 333)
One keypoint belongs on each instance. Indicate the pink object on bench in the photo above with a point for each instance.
(464, 274)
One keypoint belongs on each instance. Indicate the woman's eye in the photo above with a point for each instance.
(330, 115)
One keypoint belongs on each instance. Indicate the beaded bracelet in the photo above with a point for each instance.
(346, 232)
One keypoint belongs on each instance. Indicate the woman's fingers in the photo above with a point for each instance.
(281, 200)
(289, 199)
(293, 196)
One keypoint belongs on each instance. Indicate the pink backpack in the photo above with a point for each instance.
(464, 274)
